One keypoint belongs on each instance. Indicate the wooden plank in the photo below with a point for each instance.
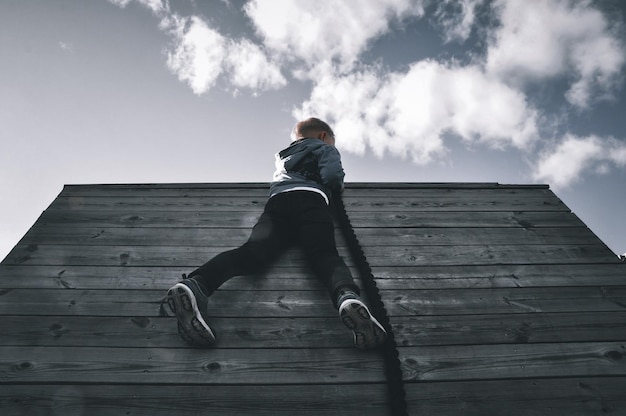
(139, 219)
(523, 397)
(520, 328)
(112, 236)
(371, 201)
(577, 396)
(191, 400)
(233, 202)
(153, 332)
(491, 276)
(314, 332)
(251, 303)
(351, 191)
(375, 219)
(505, 300)
(82, 255)
(464, 219)
(484, 362)
(87, 277)
(146, 303)
(303, 366)
(188, 189)
(209, 367)
(291, 278)
(367, 236)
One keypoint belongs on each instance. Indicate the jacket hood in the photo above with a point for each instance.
(298, 150)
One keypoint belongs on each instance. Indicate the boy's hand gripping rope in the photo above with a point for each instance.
(395, 383)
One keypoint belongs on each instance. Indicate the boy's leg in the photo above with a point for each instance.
(263, 247)
(316, 236)
(318, 242)
(188, 299)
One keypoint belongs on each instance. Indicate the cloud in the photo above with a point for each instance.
(200, 55)
(408, 114)
(540, 40)
(456, 18)
(566, 162)
(157, 6)
(121, 3)
(318, 32)
(413, 112)
(250, 67)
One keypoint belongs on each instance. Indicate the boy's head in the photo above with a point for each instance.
(314, 128)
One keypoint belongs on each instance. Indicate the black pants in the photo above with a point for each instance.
(295, 217)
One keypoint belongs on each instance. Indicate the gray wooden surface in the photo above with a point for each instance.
(502, 301)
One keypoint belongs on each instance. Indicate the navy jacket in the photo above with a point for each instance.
(308, 164)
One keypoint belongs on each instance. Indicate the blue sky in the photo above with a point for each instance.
(151, 91)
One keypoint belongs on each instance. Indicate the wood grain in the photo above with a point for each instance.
(502, 302)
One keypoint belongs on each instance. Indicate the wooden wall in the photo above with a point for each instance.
(502, 302)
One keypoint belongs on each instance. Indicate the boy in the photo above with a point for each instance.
(307, 173)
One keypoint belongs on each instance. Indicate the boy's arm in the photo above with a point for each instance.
(331, 170)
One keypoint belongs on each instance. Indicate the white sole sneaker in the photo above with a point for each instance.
(368, 332)
(192, 324)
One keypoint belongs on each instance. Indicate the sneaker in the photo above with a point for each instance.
(189, 304)
(368, 332)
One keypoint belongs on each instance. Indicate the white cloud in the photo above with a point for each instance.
(201, 55)
(198, 55)
(157, 6)
(121, 3)
(409, 114)
(563, 165)
(251, 68)
(543, 39)
(320, 31)
(354, 104)
(456, 18)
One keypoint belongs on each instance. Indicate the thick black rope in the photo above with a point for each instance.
(393, 370)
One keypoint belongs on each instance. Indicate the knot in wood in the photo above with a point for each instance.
(214, 366)
(25, 365)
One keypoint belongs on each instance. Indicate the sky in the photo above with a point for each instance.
(158, 91)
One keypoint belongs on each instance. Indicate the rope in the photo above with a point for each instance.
(393, 370)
